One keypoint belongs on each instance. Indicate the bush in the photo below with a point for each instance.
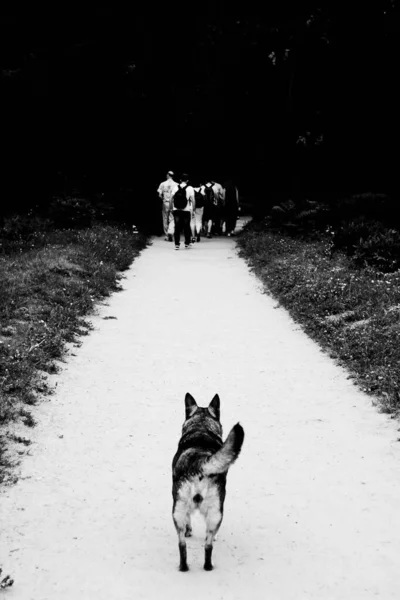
(369, 243)
(23, 232)
(71, 212)
(371, 206)
(348, 236)
(380, 250)
(363, 226)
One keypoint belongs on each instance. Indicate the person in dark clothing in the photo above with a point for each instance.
(210, 207)
(218, 219)
(231, 208)
(182, 212)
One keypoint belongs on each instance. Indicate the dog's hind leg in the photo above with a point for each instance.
(188, 532)
(181, 521)
(183, 566)
(213, 522)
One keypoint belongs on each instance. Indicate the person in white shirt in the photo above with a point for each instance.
(197, 220)
(165, 191)
(182, 204)
(219, 193)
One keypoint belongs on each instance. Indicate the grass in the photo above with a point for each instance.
(353, 313)
(46, 293)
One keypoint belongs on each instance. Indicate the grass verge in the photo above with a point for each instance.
(354, 314)
(45, 295)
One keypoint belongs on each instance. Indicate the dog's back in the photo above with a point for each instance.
(199, 471)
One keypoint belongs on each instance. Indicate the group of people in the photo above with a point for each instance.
(197, 208)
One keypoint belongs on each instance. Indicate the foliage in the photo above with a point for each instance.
(292, 72)
(71, 212)
(364, 226)
(23, 232)
(379, 249)
(370, 206)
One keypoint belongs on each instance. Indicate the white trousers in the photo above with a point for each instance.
(197, 220)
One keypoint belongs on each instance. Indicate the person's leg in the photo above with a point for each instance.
(171, 226)
(199, 220)
(233, 221)
(228, 228)
(193, 225)
(205, 221)
(220, 221)
(210, 224)
(165, 212)
(217, 225)
(178, 224)
(186, 215)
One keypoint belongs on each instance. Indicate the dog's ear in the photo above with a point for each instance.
(213, 407)
(190, 405)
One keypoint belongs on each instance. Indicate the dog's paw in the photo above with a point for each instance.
(6, 581)
(183, 568)
(208, 567)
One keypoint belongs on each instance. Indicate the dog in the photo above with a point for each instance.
(199, 470)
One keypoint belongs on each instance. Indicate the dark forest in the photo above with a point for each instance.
(295, 98)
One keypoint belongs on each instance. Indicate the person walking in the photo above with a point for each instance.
(165, 191)
(199, 199)
(210, 207)
(231, 208)
(181, 205)
(193, 218)
(219, 195)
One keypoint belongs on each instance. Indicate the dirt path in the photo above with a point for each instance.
(313, 503)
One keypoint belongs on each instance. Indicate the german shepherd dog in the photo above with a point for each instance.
(199, 470)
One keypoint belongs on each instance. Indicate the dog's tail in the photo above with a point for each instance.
(221, 461)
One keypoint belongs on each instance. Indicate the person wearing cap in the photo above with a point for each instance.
(165, 191)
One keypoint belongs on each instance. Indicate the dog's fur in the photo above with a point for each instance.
(199, 471)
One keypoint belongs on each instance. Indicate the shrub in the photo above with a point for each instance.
(369, 243)
(23, 232)
(350, 234)
(71, 212)
(363, 226)
(371, 206)
(380, 250)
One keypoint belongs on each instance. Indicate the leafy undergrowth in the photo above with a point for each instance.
(45, 295)
(354, 314)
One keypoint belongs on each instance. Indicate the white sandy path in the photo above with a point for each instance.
(313, 503)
